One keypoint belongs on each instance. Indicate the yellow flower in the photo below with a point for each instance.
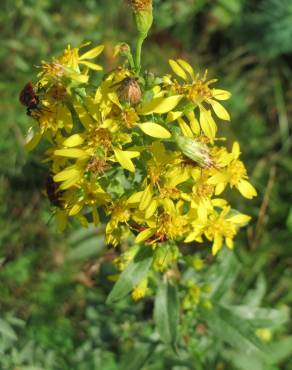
(222, 227)
(234, 174)
(171, 224)
(197, 90)
(68, 65)
(119, 213)
(140, 290)
(144, 160)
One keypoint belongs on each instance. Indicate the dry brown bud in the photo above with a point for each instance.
(129, 91)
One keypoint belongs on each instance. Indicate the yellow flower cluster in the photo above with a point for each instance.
(139, 153)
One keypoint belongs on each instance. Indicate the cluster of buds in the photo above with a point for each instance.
(138, 153)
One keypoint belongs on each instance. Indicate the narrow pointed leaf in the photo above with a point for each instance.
(132, 275)
(166, 313)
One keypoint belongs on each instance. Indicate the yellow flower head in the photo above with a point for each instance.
(138, 153)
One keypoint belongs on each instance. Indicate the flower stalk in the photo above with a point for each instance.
(143, 16)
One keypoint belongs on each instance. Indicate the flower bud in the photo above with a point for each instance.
(143, 15)
(195, 150)
(129, 91)
(122, 49)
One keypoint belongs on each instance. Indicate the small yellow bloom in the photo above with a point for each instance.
(234, 174)
(140, 290)
(197, 90)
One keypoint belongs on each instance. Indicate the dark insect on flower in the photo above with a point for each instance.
(53, 192)
(29, 98)
(129, 91)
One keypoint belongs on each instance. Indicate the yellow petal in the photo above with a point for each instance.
(246, 189)
(90, 65)
(221, 94)
(114, 98)
(75, 209)
(135, 198)
(207, 124)
(239, 219)
(144, 235)
(66, 174)
(235, 150)
(220, 188)
(79, 77)
(83, 115)
(71, 153)
(194, 123)
(64, 118)
(92, 53)
(172, 116)
(217, 244)
(202, 211)
(219, 110)
(155, 130)
(132, 154)
(229, 243)
(124, 160)
(161, 105)
(192, 237)
(69, 176)
(217, 178)
(187, 67)
(61, 220)
(151, 209)
(73, 140)
(95, 216)
(146, 198)
(177, 69)
(219, 202)
(185, 128)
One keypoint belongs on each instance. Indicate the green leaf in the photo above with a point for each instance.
(279, 351)
(166, 313)
(6, 330)
(87, 248)
(224, 275)
(137, 358)
(232, 329)
(262, 317)
(132, 275)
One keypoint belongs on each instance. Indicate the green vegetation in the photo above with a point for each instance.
(53, 287)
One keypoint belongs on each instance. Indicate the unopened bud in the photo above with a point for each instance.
(143, 15)
(122, 49)
(195, 150)
(129, 91)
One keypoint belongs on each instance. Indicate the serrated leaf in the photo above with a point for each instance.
(166, 313)
(132, 275)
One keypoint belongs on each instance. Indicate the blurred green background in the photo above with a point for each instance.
(52, 286)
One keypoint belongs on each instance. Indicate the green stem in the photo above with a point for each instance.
(139, 44)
